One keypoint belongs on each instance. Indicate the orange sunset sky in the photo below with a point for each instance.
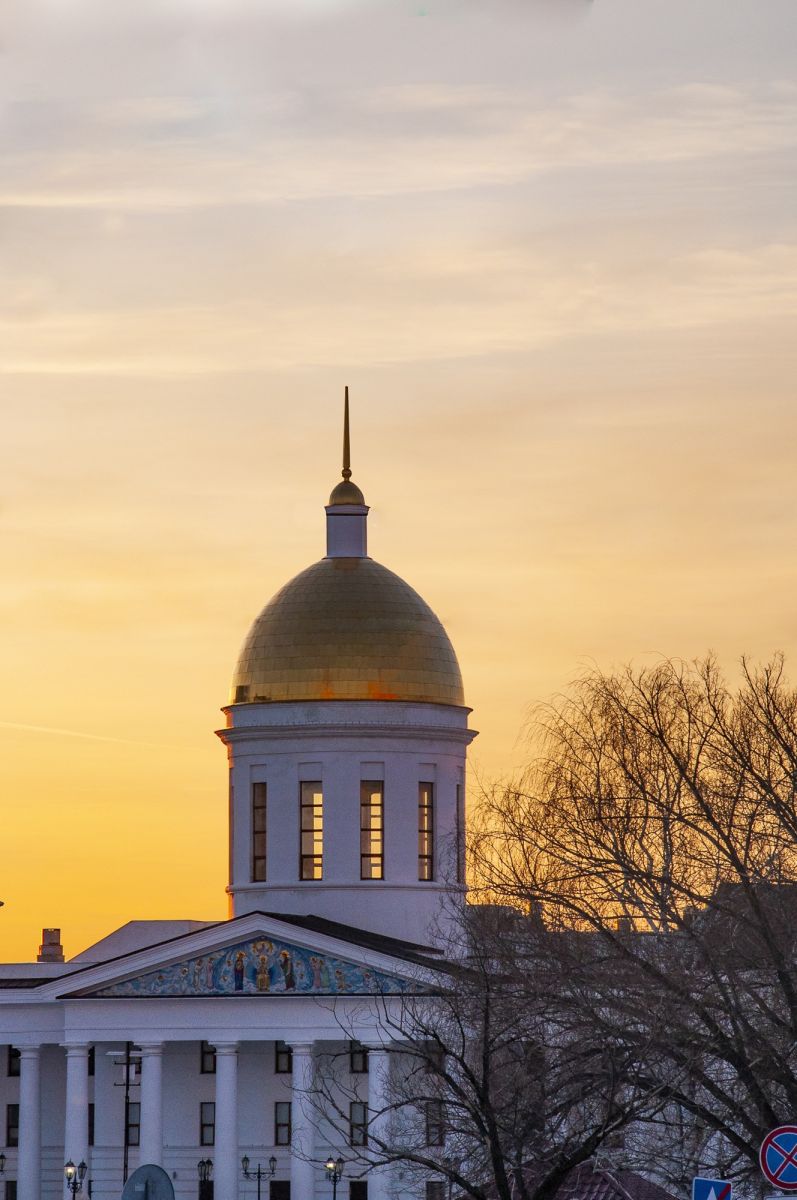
(551, 248)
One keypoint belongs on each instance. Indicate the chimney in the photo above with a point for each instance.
(51, 949)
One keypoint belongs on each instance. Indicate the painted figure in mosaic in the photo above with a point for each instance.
(286, 962)
(239, 971)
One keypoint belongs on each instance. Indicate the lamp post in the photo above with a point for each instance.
(75, 1176)
(334, 1170)
(204, 1170)
(260, 1173)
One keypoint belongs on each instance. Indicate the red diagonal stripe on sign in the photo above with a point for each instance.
(725, 1193)
(789, 1157)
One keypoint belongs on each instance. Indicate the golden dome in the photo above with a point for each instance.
(347, 629)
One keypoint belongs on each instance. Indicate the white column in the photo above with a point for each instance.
(30, 1132)
(226, 1169)
(302, 1123)
(151, 1097)
(379, 1117)
(76, 1123)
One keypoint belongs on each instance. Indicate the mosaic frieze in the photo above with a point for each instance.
(261, 967)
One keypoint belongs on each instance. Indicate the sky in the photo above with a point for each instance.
(550, 245)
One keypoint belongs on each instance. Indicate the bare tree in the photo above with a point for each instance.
(655, 836)
(492, 1090)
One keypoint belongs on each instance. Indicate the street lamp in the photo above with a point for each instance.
(75, 1176)
(204, 1170)
(260, 1173)
(334, 1170)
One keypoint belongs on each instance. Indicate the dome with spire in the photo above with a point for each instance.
(347, 628)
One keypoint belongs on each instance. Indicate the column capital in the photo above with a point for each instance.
(29, 1051)
(225, 1047)
(150, 1049)
(76, 1049)
(302, 1047)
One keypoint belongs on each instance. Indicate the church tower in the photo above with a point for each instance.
(347, 736)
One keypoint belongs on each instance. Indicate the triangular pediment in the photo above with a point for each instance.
(263, 965)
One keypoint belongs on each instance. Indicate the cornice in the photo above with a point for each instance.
(362, 729)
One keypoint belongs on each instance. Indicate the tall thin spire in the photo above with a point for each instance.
(346, 472)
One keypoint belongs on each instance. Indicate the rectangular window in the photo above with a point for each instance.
(434, 1058)
(426, 831)
(133, 1131)
(311, 865)
(279, 1189)
(282, 1123)
(14, 1061)
(92, 1060)
(358, 1059)
(207, 1059)
(435, 1125)
(207, 1123)
(435, 1189)
(372, 829)
(91, 1123)
(358, 1123)
(12, 1125)
(283, 1058)
(205, 1189)
(460, 840)
(358, 1189)
(11, 1189)
(258, 833)
(231, 828)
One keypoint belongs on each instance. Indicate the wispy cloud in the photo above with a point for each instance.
(48, 731)
(397, 141)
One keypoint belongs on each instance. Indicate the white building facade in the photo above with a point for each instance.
(174, 1043)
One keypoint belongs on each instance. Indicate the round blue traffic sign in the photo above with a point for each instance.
(778, 1157)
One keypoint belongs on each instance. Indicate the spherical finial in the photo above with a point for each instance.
(346, 492)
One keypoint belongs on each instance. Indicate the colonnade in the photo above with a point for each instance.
(226, 1158)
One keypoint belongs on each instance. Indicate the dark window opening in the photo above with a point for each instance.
(435, 1125)
(133, 1131)
(91, 1123)
(459, 849)
(12, 1125)
(207, 1123)
(358, 1058)
(282, 1123)
(92, 1060)
(358, 1189)
(434, 1058)
(207, 1059)
(358, 1123)
(14, 1061)
(283, 1058)
(259, 791)
(279, 1189)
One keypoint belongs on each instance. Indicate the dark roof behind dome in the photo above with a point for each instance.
(347, 629)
